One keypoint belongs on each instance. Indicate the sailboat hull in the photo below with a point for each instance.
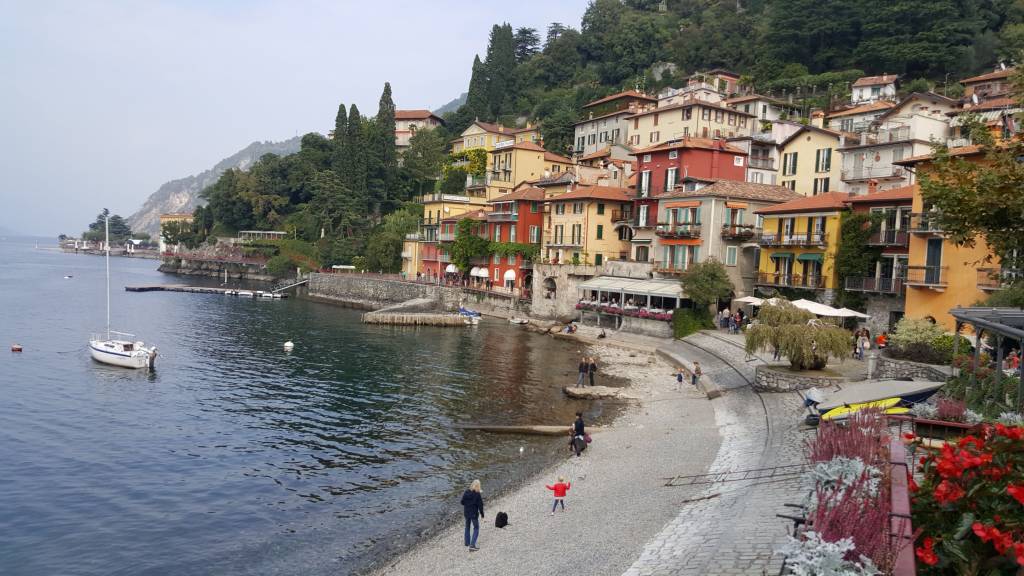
(135, 359)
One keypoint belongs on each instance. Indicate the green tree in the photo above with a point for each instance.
(500, 65)
(707, 282)
(477, 105)
(527, 43)
(468, 244)
(424, 157)
(454, 181)
(854, 256)
(340, 124)
(384, 247)
(559, 131)
(804, 340)
(119, 229)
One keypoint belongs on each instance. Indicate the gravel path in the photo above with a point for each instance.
(618, 501)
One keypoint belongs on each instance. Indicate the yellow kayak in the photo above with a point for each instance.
(844, 411)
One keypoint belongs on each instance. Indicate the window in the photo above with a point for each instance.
(598, 259)
(560, 208)
(743, 122)
(559, 233)
(737, 160)
(656, 119)
(687, 113)
(789, 161)
(592, 139)
(897, 153)
(636, 123)
(534, 234)
(600, 208)
(705, 113)
(820, 185)
(746, 108)
(673, 154)
(645, 183)
(604, 136)
(823, 160)
(846, 124)
(655, 135)
(577, 207)
(512, 233)
(497, 232)
(511, 259)
(497, 260)
(719, 116)
(757, 177)
(670, 179)
(718, 133)
(641, 219)
(791, 184)
(496, 273)
(686, 131)
(760, 222)
(600, 231)
(615, 135)
(534, 207)
(581, 142)
(647, 158)
(732, 119)
(577, 233)
(730, 255)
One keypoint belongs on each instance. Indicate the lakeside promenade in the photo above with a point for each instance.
(621, 517)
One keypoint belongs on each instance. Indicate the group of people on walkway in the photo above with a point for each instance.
(587, 367)
(732, 321)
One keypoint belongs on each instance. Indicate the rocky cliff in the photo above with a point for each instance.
(182, 195)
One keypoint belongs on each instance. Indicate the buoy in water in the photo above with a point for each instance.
(288, 346)
(15, 347)
(68, 277)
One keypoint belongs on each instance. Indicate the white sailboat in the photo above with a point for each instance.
(118, 348)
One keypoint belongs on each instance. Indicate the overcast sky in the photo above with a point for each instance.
(103, 101)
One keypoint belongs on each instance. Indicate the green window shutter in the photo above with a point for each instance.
(696, 216)
(792, 167)
(598, 259)
(600, 231)
(600, 208)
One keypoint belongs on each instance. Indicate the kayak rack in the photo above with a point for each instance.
(784, 472)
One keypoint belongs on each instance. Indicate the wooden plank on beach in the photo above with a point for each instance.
(534, 430)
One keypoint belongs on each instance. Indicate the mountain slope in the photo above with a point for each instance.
(182, 195)
(453, 105)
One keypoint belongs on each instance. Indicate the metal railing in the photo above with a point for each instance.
(889, 238)
(565, 243)
(678, 230)
(926, 276)
(885, 135)
(502, 216)
(925, 223)
(414, 236)
(446, 236)
(790, 280)
(813, 239)
(762, 163)
(443, 257)
(669, 267)
(476, 181)
(739, 231)
(622, 215)
(445, 198)
(997, 278)
(873, 284)
(871, 173)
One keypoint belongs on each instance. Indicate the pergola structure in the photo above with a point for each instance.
(1000, 324)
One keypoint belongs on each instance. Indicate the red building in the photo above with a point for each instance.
(515, 218)
(663, 166)
(435, 260)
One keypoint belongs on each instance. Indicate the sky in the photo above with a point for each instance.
(103, 101)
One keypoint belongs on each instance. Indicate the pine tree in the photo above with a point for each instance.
(527, 44)
(476, 97)
(386, 128)
(340, 138)
(355, 154)
(500, 64)
(340, 123)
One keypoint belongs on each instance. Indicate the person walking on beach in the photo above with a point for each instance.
(592, 369)
(473, 510)
(584, 368)
(560, 488)
(680, 375)
(697, 372)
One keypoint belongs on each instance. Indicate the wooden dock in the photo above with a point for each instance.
(413, 319)
(264, 294)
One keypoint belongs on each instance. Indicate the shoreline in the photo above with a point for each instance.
(617, 495)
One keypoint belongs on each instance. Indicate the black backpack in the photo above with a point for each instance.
(501, 520)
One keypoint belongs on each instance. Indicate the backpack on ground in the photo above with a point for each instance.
(501, 520)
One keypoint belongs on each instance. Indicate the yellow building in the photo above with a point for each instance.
(810, 161)
(581, 226)
(182, 217)
(799, 240)
(512, 163)
(486, 135)
(940, 274)
(690, 119)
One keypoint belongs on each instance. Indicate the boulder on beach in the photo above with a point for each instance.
(596, 393)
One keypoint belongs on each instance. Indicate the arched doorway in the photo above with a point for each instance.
(510, 279)
(550, 289)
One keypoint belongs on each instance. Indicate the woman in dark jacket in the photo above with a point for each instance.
(472, 506)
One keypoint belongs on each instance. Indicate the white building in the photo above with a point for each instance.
(765, 108)
(873, 89)
(857, 118)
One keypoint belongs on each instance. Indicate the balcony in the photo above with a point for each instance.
(678, 230)
(933, 277)
(669, 268)
(925, 223)
(563, 243)
(790, 280)
(889, 238)
(415, 236)
(814, 239)
(526, 265)
(622, 215)
(874, 173)
(503, 217)
(406, 255)
(444, 258)
(739, 231)
(475, 182)
(446, 237)
(873, 284)
(762, 163)
(445, 198)
(992, 279)
(885, 136)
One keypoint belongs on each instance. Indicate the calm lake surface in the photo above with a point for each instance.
(235, 457)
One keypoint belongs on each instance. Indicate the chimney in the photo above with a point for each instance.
(818, 119)
(872, 186)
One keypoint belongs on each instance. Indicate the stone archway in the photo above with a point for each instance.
(550, 288)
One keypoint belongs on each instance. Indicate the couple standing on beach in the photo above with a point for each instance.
(588, 365)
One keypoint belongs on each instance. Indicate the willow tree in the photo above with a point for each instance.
(798, 335)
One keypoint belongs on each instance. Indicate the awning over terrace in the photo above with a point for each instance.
(652, 294)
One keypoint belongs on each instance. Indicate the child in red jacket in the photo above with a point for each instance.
(559, 489)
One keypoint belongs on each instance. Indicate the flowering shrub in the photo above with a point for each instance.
(836, 476)
(812, 555)
(970, 505)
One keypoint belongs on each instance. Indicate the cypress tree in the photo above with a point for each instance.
(340, 123)
(476, 97)
(355, 154)
(340, 137)
(386, 128)
(500, 63)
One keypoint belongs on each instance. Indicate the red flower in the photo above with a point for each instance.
(1011, 432)
(948, 492)
(980, 530)
(1018, 552)
(908, 435)
(970, 440)
(926, 553)
(1017, 491)
(911, 484)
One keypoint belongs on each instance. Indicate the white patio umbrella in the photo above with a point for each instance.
(847, 313)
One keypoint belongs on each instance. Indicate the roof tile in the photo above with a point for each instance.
(828, 201)
(739, 190)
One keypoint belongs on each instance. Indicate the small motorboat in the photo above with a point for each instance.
(68, 277)
(245, 294)
(906, 393)
(514, 320)
(468, 312)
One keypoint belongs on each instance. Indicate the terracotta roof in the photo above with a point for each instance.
(894, 195)
(863, 109)
(808, 128)
(523, 193)
(625, 94)
(752, 97)
(740, 190)
(827, 202)
(615, 113)
(929, 96)
(990, 76)
(703, 143)
(499, 129)
(875, 80)
(415, 115)
(606, 151)
(724, 72)
(691, 103)
(995, 103)
(961, 151)
(521, 130)
(474, 215)
(552, 157)
(596, 193)
(562, 178)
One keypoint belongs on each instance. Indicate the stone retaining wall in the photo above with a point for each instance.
(370, 292)
(769, 379)
(892, 369)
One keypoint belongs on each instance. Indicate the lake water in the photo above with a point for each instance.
(233, 456)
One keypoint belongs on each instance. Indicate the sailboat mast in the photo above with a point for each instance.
(106, 223)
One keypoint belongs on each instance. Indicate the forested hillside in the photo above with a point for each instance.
(805, 47)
